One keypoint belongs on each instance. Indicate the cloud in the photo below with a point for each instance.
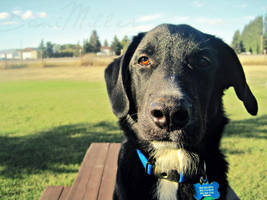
(147, 18)
(198, 4)
(178, 19)
(243, 5)
(249, 18)
(141, 28)
(9, 23)
(210, 21)
(27, 15)
(4, 15)
(134, 29)
(42, 14)
(17, 12)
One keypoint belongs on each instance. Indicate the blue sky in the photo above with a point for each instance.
(23, 23)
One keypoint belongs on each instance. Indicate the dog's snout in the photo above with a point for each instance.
(169, 114)
(159, 115)
(180, 117)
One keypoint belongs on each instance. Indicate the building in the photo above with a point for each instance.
(28, 54)
(15, 54)
(105, 51)
(9, 54)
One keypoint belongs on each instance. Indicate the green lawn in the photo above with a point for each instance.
(47, 124)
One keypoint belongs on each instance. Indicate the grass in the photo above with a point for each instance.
(49, 117)
(253, 59)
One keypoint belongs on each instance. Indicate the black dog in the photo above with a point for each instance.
(167, 92)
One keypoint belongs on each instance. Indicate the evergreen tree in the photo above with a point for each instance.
(87, 47)
(116, 46)
(250, 50)
(265, 33)
(253, 37)
(236, 42)
(41, 50)
(49, 50)
(94, 42)
(125, 43)
(105, 43)
(242, 47)
(252, 34)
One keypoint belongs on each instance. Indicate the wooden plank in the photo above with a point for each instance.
(88, 180)
(109, 175)
(65, 193)
(52, 193)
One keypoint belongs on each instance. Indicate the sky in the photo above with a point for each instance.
(24, 23)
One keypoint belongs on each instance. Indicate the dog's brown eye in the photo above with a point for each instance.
(203, 62)
(144, 61)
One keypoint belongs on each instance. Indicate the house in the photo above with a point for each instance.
(105, 51)
(9, 54)
(28, 53)
(14, 54)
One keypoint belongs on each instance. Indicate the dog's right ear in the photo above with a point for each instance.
(118, 80)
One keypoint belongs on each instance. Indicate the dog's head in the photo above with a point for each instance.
(171, 81)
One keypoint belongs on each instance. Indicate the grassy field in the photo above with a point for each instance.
(49, 117)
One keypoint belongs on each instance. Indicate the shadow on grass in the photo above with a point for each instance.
(66, 145)
(19, 66)
(249, 128)
(49, 149)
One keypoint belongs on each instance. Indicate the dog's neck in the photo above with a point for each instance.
(168, 159)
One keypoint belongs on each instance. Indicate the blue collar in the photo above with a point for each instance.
(147, 165)
(149, 168)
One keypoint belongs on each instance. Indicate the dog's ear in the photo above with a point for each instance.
(118, 80)
(233, 75)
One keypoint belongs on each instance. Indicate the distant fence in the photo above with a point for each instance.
(93, 60)
(86, 60)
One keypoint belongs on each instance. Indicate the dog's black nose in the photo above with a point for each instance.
(168, 115)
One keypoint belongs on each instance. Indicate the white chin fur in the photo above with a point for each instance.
(168, 156)
(166, 190)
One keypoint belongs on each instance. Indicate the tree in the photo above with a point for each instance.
(49, 50)
(236, 42)
(87, 47)
(41, 50)
(252, 34)
(265, 42)
(265, 33)
(105, 43)
(125, 43)
(250, 50)
(94, 42)
(116, 46)
(242, 47)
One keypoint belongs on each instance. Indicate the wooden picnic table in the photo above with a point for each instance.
(96, 177)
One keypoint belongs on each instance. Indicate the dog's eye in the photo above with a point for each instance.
(203, 62)
(198, 62)
(144, 61)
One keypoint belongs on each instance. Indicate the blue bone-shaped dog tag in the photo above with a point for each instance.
(206, 190)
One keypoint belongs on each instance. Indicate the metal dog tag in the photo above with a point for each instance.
(206, 191)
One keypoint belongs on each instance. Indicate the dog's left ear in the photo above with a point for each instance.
(117, 77)
(234, 76)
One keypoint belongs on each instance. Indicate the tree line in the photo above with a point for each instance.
(253, 38)
(91, 45)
